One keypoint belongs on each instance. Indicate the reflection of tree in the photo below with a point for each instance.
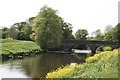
(38, 67)
(30, 66)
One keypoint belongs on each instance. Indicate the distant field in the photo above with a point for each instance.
(10, 46)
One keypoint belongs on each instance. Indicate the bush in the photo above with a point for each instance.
(104, 48)
(107, 48)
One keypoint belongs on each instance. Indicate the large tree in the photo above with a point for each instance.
(23, 30)
(47, 28)
(67, 30)
(81, 34)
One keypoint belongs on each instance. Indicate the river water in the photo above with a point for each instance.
(38, 66)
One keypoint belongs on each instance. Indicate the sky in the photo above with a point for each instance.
(82, 14)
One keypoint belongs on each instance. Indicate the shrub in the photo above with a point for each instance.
(107, 48)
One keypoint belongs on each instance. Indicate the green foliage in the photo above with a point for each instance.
(111, 35)
(107, 48)
(104, 48)
(7, 40)
(19, 31)
(15, 46)
(13, 32)
(118, 30)
(81, 34)
(102, 65)
(114, 34)
(97, 35)
(30, 19)
(4, 33)
(47, 27)
(108, 28)
(23, 30)
(67, 31)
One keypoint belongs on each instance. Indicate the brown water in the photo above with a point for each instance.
(37, 66)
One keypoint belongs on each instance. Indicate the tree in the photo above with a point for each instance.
(97, 35)
(30, 19)
(67, 31)
(118, 32)
(108, 28)
(13, 32)
(24, 31)
(113, 34)
(47, 28)
(4, 32)
(81, 34)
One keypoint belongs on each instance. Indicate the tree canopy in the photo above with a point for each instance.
(113, 34)
(67, 31)
(47, 27)
(4, 32)
(97, 35)
(81, 34)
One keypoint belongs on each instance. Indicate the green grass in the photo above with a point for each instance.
(103, 65)
(10, 46)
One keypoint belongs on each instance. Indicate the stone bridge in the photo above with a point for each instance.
(68, 45)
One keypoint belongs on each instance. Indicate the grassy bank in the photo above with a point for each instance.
(9, 46)
(103, 65)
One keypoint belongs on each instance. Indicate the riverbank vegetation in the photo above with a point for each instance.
(102, 65)
(12, 47)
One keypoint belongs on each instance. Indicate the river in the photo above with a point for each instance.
(38, 66)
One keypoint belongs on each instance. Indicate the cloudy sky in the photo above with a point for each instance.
(82, 14)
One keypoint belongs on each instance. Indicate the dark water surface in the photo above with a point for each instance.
(37, 66)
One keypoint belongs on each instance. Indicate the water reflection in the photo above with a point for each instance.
(7, 71)
(39, 66)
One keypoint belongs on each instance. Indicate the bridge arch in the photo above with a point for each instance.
(81, 47)
(93, 45)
